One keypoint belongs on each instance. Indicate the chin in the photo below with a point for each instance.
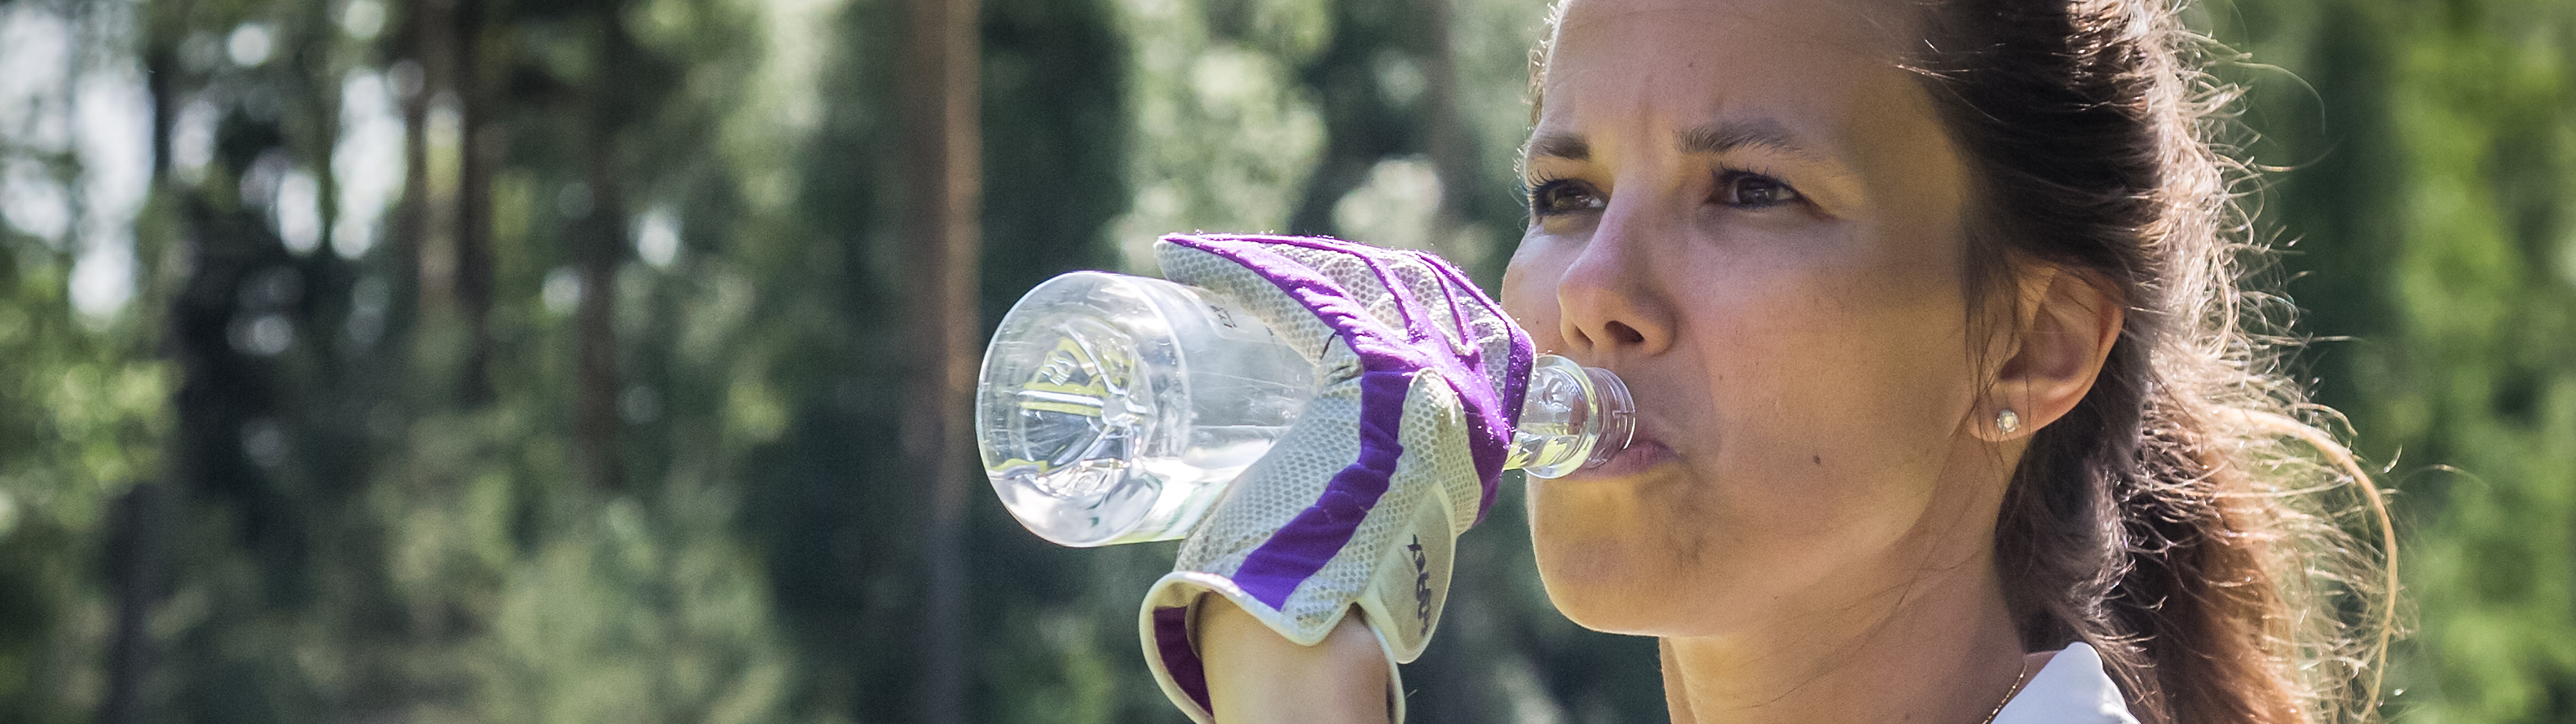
(1610, 600)
(1627, 555)
(1606, 609)
(1622, 584)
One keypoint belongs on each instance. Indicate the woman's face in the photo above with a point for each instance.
(1750, 212)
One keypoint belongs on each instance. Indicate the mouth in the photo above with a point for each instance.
(1645, 452)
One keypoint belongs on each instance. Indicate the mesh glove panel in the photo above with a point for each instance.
(1361, 501)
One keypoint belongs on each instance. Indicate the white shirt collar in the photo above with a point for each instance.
(2072, 689)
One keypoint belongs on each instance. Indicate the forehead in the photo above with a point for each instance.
(1818, 65)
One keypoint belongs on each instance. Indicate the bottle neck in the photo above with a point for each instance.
(1573, 417)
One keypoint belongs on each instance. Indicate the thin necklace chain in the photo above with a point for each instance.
(2018, 681)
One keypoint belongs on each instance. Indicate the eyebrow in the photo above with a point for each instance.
(1709, 138)
(1729, 135)
(1560, 145)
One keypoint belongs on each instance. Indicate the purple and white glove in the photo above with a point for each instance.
(1360, 502)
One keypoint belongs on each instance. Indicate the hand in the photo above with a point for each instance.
(1359, 503)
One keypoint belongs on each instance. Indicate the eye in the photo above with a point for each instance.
(1749, 190)
(1563, 196)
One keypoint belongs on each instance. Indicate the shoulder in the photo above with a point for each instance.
(2072, 689)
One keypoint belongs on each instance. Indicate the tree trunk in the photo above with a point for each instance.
(410, 227)
(430, 226)
(136, 527)
(942, 148)
(136, 548)
(596, 242)
(479, 75)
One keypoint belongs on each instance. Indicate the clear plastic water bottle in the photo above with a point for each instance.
(1115, 409)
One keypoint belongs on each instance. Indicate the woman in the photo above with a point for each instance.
(1930, 312)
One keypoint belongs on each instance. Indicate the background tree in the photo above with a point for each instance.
(550, 360)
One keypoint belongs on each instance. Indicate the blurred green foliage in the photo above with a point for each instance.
(2430, 211)
(324, 457)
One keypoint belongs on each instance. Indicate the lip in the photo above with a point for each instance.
(1644, 452)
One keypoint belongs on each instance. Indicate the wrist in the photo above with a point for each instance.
(1255, 675)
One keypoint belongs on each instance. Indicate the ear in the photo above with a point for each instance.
(2062, 337)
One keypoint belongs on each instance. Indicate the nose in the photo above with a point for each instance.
(1613, 302)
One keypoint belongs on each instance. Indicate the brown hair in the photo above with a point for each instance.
(2170, 520)
(2188, 518)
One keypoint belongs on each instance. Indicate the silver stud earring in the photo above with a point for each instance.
(2007, 422)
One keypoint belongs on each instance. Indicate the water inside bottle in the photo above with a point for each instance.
(1076, 416)
(1114, 409)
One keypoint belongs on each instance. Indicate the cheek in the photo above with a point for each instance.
(1833, 362)
(1834, 398)
(1812, 397)
(1814, 436)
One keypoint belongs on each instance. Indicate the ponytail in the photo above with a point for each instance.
(2182, 519)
